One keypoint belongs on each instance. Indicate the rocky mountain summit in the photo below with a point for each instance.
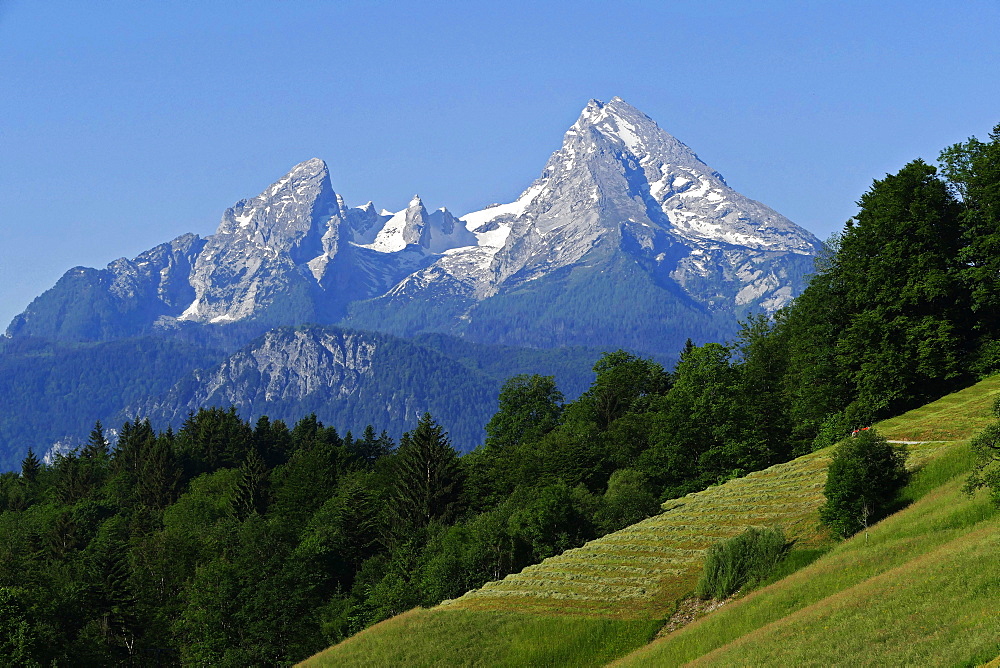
(626, 239)
(621, 181)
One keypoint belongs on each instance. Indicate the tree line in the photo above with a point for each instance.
(230, 543)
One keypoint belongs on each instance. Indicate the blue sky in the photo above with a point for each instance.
(125, 124)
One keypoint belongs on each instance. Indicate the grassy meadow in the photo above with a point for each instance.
(918, 590)
(922, 587)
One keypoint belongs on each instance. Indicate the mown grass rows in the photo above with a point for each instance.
(663, 554)
(955, 417)
(824, 614)
(920, 590)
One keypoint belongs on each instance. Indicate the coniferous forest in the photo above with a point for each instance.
(229, 543)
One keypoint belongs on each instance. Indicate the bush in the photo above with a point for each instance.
(864, 478)
(834, 429)
(741, 561)
(629, 499)
(986, 467)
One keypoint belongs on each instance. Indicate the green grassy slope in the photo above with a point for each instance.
(603, 600)
(641, 571)
(920, 590)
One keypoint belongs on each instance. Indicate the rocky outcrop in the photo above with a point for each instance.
(348, 378)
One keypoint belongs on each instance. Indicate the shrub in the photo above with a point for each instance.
(834, 428)
(986, 450)
(629, 499)
(864, 478)
(741, 561)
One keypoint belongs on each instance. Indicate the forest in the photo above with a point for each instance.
(231, 543)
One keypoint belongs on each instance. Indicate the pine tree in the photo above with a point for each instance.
(97, 444)
(427, 486)
(30, 466)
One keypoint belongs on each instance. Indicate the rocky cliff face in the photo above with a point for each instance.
(621, 184)
(349, 379)
(284, 365)
(626, 230)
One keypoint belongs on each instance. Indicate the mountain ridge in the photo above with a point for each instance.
(619, 187)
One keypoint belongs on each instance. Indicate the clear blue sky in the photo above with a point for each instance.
(125, 124)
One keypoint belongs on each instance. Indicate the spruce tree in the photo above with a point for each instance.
(30, 466)
(370, 448)
(427, 484)
(97, 445)
(251, 489)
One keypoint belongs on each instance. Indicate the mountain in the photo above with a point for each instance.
(54, 392)
(351, 379)
(626, 239)
(633, 224)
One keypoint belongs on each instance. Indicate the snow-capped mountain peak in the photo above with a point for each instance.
(434, 233)
(620, 180)
(621, 206)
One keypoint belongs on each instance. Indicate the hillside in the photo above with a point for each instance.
(55, 392)
(601, 601)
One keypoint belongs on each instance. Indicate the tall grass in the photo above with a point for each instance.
(742, 561)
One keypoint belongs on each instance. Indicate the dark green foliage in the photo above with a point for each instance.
(622, 380)
(427, 483)
(530, 407)
(973, 171)
(18, 643)
(552, 519)
(213, 438)
(251, 495)
(97, 445)
(741, 562)
(630, 498)
(272, 441)
(369, 449)
(160, 473)
(863, 480)
(310, 476)
(30, 467)
(51, 391)
(900, 266)
(714, 422)
(885, 324)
